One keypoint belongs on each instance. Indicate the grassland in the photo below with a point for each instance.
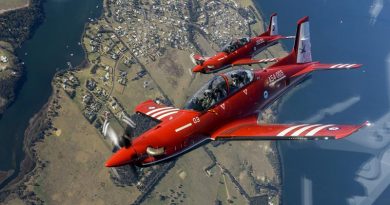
(7, 5)
(81, 181)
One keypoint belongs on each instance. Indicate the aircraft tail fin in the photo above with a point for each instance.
(272, 27)
(301, 52)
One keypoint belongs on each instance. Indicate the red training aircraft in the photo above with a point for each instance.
(227, 108)
(240, 51)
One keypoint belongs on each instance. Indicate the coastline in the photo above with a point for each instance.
(39, 123)
(33, 16)
(11, 86)
(276, 157)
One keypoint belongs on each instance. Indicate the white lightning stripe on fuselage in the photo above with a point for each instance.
(166, 114)
(300, 131)
(164, 111)
(183, 127)
(158, 109)
(287, 130)
(351, 65)
(315, 130)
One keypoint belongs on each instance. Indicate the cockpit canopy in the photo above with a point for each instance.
(235, 44)
(219, 88)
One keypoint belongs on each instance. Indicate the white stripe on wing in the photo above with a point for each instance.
(289, 129)
(315, 130)
(335, 66)
(300, 131)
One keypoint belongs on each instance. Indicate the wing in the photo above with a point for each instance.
(249, 61)
(248, 128)
(319, 66)
(156, 111)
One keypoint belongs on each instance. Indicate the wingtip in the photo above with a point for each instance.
(357, 128)
(367, 124)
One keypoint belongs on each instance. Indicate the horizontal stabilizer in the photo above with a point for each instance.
(319, 66)
(248, 61)
(288, 37)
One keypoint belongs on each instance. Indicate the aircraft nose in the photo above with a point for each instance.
(121, 157)
(197, 68)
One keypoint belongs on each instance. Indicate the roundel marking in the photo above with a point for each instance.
(265, 94)
(333, 128)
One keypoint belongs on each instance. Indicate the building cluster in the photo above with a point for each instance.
(69, 82)
(4, 63)
(91, 107)
(224, 21)
(149, 27)
(101, 42)
(4, 59)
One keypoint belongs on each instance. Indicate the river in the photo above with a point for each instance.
(53, 44)
(354, 170)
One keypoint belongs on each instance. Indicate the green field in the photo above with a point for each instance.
(12, 4)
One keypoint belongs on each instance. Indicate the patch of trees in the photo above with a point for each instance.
(17, 26)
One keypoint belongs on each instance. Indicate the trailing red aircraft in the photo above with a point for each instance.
(227, 108)
(240, 51)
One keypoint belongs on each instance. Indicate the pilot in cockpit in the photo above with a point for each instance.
(212, 96)
(219, 93)
(238, 80)
(208, 99)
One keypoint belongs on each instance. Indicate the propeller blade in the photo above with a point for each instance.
(193, 59)
(113, 136)
(128, 121)
(110, 133)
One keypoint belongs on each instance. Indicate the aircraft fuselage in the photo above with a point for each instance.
(190, 128)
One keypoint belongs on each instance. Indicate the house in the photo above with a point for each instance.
(4, 59)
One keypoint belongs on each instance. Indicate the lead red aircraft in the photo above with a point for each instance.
(240, 51)
(227, 108)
